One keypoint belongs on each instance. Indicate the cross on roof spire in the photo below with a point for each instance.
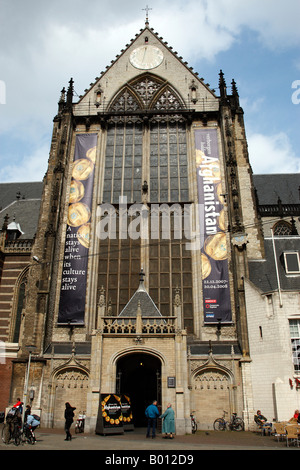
(147, 12)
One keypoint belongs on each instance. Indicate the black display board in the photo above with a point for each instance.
(114, 414)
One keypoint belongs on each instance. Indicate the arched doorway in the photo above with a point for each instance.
(139, 377)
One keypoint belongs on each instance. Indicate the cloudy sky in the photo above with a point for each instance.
(43, 44)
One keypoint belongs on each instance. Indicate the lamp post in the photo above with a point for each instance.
(30, 349)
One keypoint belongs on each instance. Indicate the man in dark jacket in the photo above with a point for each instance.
(152, 414)
(69, 415)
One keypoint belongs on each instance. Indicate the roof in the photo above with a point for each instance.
(140, 300)
(273, 186)
(10, 192)
(263, 272)
(21, 202)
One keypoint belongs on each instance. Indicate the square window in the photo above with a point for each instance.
(291, 262)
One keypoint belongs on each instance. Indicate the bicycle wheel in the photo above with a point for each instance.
(77, 430)
(238, 424)
(194, 427)
(219, 424)
(31, 439)
(6, 436)
(17, 436)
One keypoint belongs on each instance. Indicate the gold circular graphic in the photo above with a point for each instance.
(79, 214)
(76, 191)
(221, 220)
(215, 246)
(82, 169)
(83, 235)
(91, 154)
(206, 266)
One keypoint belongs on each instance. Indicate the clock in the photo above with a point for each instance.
(146, 57)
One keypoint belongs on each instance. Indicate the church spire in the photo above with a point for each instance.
(222, 85)
(70, 93)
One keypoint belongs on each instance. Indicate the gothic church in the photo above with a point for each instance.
(134, 282)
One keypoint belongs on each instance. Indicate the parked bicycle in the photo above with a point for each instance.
(11, 433)
(193, 422)
(235, 424)
(17, 436)
(79, 426)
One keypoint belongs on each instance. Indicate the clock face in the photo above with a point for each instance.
(146, 57)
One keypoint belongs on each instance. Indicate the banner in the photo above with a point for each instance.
(215, 276)
(74, 273)
(110, 418)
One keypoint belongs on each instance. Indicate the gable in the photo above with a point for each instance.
(131, 66)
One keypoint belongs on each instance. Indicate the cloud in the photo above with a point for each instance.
(31, 167)
(272, 154)
(47, 43)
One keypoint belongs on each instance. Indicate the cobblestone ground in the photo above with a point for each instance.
(50, 439)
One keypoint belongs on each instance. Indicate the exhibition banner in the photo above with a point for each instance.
(110, 417)
(213, 243)
(75, 263)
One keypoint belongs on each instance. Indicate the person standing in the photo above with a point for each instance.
(152, 414)
(168, 426)
(69, 415)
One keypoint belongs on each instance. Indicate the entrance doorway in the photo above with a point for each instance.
(139, 377)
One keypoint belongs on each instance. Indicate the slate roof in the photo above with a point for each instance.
(21, 202)
(263, 273)
(273, 186)
(140, 299)
(9, 192)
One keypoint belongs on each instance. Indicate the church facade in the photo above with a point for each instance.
(148, 221)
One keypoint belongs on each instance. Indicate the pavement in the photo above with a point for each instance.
(135, 442)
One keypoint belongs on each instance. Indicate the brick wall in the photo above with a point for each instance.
(5, 381)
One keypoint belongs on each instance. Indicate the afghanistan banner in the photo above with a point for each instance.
(74, 273)
(215, 278)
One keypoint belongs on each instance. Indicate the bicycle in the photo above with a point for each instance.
(193, 423)
(79, 426)
(235, 424)
(8, 434)
(28, 435)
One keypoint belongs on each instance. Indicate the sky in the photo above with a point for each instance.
(43, 44)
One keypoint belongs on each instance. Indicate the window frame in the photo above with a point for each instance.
(285, 254)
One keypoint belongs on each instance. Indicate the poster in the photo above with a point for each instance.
(75, 263)
(110, 417)
(127, 417)
(214, 250)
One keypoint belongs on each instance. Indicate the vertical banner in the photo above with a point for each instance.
(215, 276)
(74, 272)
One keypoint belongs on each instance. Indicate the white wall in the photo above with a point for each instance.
(271, 352)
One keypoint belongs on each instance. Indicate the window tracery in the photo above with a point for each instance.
(282, 228)
(146, 93)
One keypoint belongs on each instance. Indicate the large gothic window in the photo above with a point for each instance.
(123, 163)
(168, 163)
(146, 146)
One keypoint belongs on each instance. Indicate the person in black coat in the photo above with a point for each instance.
(69, 415)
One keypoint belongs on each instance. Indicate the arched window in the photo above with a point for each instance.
(18, 304)
(282, 228)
